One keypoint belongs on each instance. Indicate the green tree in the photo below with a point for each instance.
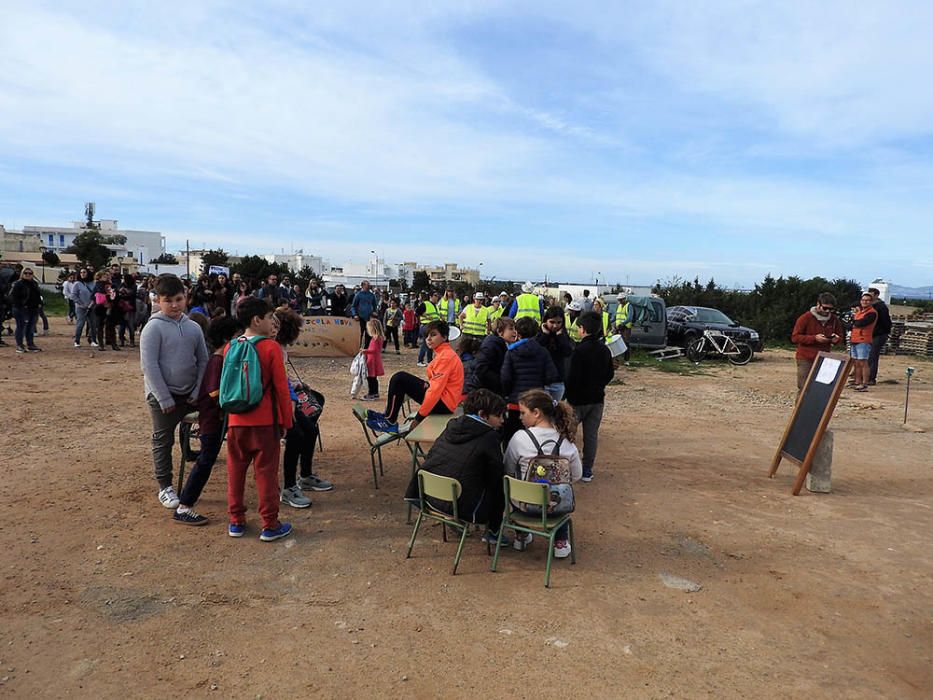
(254, 269)
(214, 257)
(165, 259)
(90, 246)
(420, 282)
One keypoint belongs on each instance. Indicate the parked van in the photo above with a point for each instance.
(650, 329)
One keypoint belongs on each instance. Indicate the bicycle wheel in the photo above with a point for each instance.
(696, 350)
(743, 354)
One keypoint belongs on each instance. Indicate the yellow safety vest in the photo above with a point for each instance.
(606, 323)
(442, 309)
(474, 322)
(622, 313)
(528, 305)
(572, 329)
(430, 313)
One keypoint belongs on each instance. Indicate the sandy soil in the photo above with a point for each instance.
(812, 596)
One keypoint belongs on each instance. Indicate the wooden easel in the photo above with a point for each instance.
(808, 422)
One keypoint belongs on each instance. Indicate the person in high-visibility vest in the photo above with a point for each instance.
(527, 304)
(475, 318)
(604, 315)
(427, 314)
(574, 309)
(495, 311)
(448, 308)
(625, 319)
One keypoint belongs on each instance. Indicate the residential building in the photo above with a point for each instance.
(19, 242)
(451, 272)
(140, 245)
(297, 261)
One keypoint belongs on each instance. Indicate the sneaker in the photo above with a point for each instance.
(189, 517)
(45, 331)
(168, 497)
(77, 345)
(33, 348)
(586, 478)
(115, 347)
(490, 537)
(522, 540)
(371, 397)
(101, 348)
(236, 529)
(20, 348)
(294, 497)
(272, 534)
(314, 483)
(872, 382)
(422, 364)
(561, 549)
(379, 423)
(93, 343)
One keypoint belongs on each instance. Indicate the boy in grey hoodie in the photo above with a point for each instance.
(173, 356)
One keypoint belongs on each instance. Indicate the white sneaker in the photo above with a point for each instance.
(93, 343)
(422, 364)
(522, 540)
(561, 548)
(168, 498)
(77, 345)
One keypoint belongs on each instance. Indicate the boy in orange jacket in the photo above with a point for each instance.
(439, 395)
(255, 436)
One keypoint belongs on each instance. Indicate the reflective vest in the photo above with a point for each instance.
(572, 329)
(430, 313)
(474, 322)
(622, 312)
(528, 305)
(442, 309)
(606, 323)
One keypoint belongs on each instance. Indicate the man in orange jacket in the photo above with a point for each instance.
(440, 394)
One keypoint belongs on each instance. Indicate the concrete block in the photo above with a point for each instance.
(821, 470)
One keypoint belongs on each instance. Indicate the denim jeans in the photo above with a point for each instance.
(556, 390)
(201, 472)
(81, 319)
(25, 326)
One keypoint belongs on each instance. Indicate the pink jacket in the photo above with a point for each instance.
(374, 366)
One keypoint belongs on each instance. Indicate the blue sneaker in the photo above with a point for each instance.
(491, 537)
(236, 529)
(381, 424)
(270, 535)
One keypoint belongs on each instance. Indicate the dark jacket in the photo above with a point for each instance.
(26, 295)
(883, 326)
(559, 347)
(527, 366)
(338, 303)
(486, 366)
(468, 451)
(590, 371)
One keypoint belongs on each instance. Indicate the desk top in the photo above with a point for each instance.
(428, 430)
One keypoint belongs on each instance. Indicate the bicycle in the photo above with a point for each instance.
(715, 344)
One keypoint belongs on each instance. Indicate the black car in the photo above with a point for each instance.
(684, 323)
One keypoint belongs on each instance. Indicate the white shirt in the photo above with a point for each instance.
(68, 290)
(521, 449)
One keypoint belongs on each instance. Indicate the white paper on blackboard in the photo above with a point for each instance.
(828, 370)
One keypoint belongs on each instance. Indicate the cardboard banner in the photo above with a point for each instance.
(327, 336)
(218, 270)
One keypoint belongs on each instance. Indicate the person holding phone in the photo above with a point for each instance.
(817, 330)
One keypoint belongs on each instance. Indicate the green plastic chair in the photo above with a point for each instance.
(375, 440)
(537, 494)
(440, 488)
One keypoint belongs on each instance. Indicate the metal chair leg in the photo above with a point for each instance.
(459, 551)
(414, 534)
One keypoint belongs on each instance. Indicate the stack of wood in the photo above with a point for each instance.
(917, 338)
(898, 324)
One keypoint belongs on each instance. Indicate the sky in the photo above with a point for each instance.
(621, 141)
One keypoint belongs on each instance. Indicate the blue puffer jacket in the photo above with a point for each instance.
(484, 372)
(527, 366)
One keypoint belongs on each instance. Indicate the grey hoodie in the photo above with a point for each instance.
(173, 356)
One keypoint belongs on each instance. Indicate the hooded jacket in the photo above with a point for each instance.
(487, 365)
(173, 356)
(527, 366)
(590, 371)
(468, 451)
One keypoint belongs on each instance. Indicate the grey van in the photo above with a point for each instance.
(650, 329)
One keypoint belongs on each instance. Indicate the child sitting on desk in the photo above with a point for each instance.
(468, 451)
(440, 394)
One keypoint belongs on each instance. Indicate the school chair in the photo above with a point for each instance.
(535, 494)
(375, 440)
(440, 488)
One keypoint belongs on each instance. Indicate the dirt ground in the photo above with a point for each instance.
(812, 596)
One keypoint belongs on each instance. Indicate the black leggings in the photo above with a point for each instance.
(404, 384)
(299, 445)
(391, 334)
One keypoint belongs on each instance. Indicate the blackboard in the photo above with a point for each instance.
(812, 412)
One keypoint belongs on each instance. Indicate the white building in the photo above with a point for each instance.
(298, 260)
(352, 274)
(140, 245)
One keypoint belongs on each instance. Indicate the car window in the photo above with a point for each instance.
(712, 316)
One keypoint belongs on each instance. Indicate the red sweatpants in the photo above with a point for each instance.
(258, 444)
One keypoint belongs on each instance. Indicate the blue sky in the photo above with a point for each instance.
(636, 141)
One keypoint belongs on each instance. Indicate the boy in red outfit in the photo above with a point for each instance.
(255, 436)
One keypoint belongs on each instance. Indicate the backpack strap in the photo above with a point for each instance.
(534, 441)
(556, 451)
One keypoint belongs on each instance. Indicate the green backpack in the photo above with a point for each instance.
(241, 377)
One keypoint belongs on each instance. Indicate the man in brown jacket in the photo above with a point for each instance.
(816, 330)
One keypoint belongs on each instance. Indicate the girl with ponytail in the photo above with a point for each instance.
(548, 423)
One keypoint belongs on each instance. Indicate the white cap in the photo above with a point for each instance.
(503, 294)
(527, 287)
(621, 295)
(575, 306)
(479, 295)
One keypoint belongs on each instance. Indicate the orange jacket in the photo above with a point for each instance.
(864, 321)
(445, 380)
